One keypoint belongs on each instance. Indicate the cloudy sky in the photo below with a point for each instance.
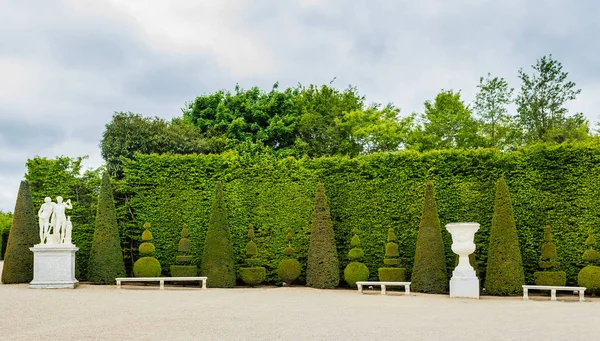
(66, 66)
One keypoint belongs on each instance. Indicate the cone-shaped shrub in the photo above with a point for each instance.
(355, 270)
(18, 259)
(147, 266)
(504, 275)
(322, 270)
(184, 268)
(217, 258)
(548, 274)
(392, 272)
(289, 268)
(252, 275)
(589, 276)
(429, 270)
(106, 256)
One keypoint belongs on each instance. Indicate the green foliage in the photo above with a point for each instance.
(18, 259)
(549, 254)
(549, 184)
(591, 256)
(551, 278)
(323, 266)
(356, 254)
(146, 235)
(288, 251)
(355, 272)
(392, 274)
(253, 276)
(289, 270)
(495, 124)
(5, 222)
(106, 256)
(184, 268)
(504, 266)
(217, 259)
(429, 272)
(251, 248)
(147, 267)
(589, 277)
(147, 248)
(183, 259)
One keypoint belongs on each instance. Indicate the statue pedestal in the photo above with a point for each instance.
(464, 281)
(54, 266)
(464, 284)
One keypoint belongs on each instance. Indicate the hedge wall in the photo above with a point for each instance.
(554, 185)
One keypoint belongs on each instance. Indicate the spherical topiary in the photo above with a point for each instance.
(184, 268)
(391, 273)
(147, 266)
(289, 269)
(252, 275)
(591, 256)
(589, 277)
(355, 271)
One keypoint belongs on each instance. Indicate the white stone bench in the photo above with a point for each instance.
(553, 290)
(384, 285)
(162, 280)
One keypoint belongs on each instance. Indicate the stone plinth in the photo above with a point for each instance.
(54, 266)
(464, 281)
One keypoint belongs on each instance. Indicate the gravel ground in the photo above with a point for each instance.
(289, 313)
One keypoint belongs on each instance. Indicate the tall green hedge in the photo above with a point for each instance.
(106, 256)
(18, 259)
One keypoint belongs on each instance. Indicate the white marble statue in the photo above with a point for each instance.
(52, 217)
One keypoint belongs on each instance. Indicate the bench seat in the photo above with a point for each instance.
(161, 280)
(553, 290)
(383, 286)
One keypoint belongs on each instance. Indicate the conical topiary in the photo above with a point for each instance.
(217, 259)
(252, 275)
(289, 268)
(18, 259)
(392, 272)
(548, 264)
(589, 276)
(106, 256)
(322, 270)
(355, 271)
(504, 274)
(147, 266)
(429, 270)
(184, 268)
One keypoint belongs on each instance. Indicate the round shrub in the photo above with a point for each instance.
(392, 274)
(356, 254)
(553, 278)
(289, 269)
(147, 267)
(591, 256)
(288, 251)
(356, 272)
(253, 276)
(589, 277)
(146, 235)
(147, 248)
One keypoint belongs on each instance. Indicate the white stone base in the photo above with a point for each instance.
(54, 266)
(465, 285)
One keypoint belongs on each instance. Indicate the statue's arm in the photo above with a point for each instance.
(68, 204)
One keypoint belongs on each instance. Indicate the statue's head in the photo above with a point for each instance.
(47, 200)
(59, 199)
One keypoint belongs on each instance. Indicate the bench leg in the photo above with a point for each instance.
(118, 284)
(360, 290)
(203, 284)
(525, 294)
(383, 289)
(162, 285)
(581, 295)
(407, 290)
(553, 295)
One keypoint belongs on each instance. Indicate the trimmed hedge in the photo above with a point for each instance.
(147, 266)
(184, 268)
(252, 275)
(18, 259)
(355, 271)
(392, 273)
(289, 269)
(548, 264)
(557, 185)
(106, 256)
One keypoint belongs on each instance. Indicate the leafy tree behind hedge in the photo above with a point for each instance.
(217, 260)
(106, 256)
(322, 270)
(18, 259)
(504, 274)
(5, 222)
(430, 271)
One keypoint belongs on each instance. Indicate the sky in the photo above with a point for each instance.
(67, 66)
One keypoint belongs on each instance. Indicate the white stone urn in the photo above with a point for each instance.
(464, 282)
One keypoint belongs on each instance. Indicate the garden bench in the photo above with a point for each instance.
(384, 285)
(553, 290)
(162, 280)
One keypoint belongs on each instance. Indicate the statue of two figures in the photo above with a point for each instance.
(55, 226)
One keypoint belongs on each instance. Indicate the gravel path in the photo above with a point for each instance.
(288, 313)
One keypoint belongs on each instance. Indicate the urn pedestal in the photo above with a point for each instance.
(54, 266)
(464, 282)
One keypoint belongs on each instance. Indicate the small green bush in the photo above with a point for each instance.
(18, 259)
(548, 263)
(429, 270)
(393, 273)
(183, 268)
(253, 275)
(553, 278)
(504, 275)
(355, 271)
(289, 269)
(591, 256)
(147, 266)
(589, 277)
(322, 269)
